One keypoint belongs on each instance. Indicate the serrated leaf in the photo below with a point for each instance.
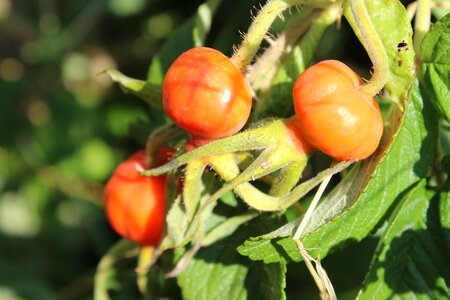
(178, 221)
(219, 272)
(435, 71)
(361, 199)
(149, 92)
(227, 227)
(191, 34)
(387, 15)
(411, 260)
(356, 205)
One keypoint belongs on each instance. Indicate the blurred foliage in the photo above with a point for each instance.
(64, 127)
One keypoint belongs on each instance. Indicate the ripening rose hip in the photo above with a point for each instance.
(135, 204)
(333, 114)
(206, 95)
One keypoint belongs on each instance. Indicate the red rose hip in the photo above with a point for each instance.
(206, 95)
(333, 114)
(135, 204)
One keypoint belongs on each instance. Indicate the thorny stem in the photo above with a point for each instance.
(258, 30)
(421, 24)
(268, 63)
(374, 47)
(260, 76)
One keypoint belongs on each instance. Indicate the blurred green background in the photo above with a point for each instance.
(64, 127)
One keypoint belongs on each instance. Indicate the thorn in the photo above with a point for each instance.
(234, 48)
(339, 22)
(270, 40)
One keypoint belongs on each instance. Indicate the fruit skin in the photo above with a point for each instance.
(166, 154)
(135, 204)
(333, 114)
(206, 95)
(297, 138)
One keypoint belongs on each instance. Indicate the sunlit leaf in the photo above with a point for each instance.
(149, 92)
(412, 259)
(435, 72)
(219, 272)
(355, 206)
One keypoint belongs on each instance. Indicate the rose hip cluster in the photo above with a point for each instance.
(209, 97)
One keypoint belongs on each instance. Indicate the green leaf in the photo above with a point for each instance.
(227, 227)
(219, 272)
(444, 210)
(439, 11)
(411, 260)
(356, 205)
(177, 222)
(191, 34)
(181, 228)
(149, 92)
(391, 22)
(435, 71)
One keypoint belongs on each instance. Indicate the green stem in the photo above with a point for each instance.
(144, 258)
(421, 24)
(263, 71)
(311, 207)
(288, 178)
(263, 202)
(254, 171)
(254, 139)
(374, 47)
(257, 31)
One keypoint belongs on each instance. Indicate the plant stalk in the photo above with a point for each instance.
(374, 47)
(145, 256)
(421, 24)
(244, 55)
(311, 207)
(323, 283)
